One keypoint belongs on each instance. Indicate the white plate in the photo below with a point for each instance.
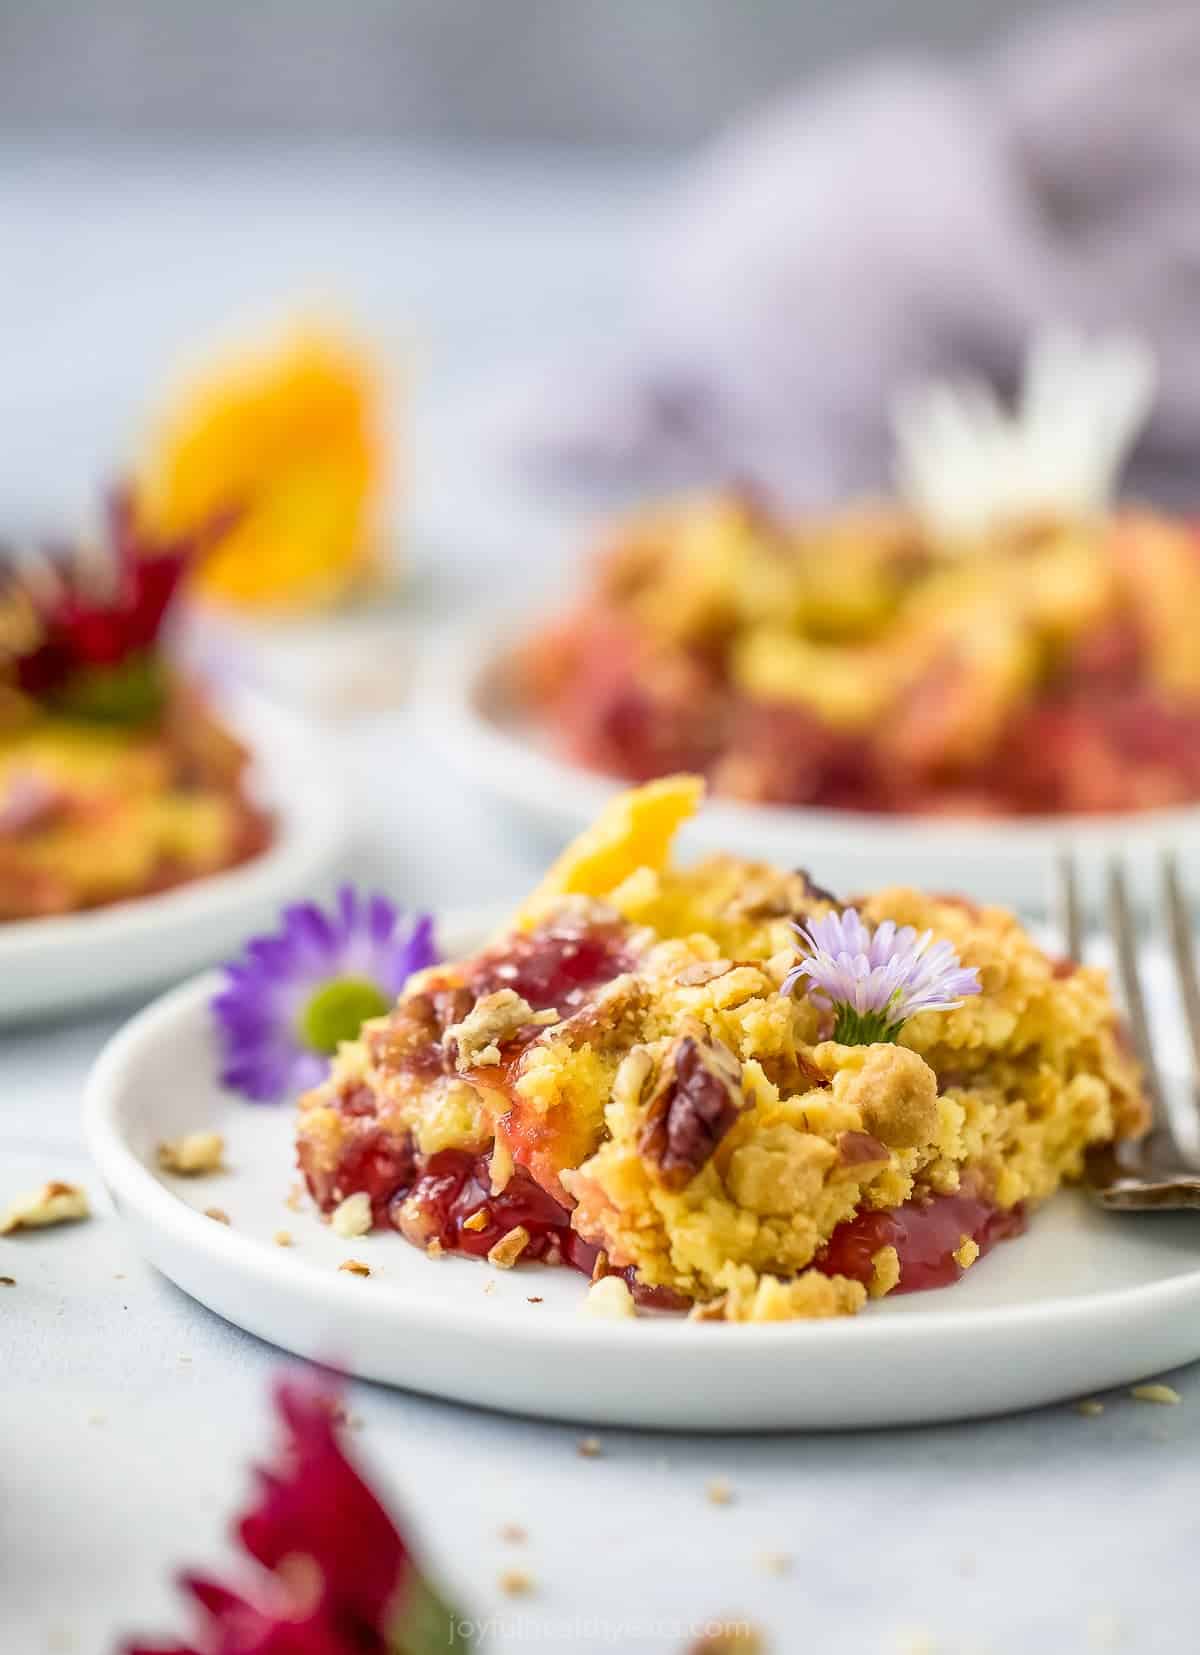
(1081, 1302)
(493, 745)
(55, 964)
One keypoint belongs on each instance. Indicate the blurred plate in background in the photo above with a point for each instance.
(469, 706)
(51, 965)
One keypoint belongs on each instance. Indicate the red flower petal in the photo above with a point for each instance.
(321, 1508)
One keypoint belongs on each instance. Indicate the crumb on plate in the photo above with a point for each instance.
(194, 1155)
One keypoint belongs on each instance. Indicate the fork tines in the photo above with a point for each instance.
(1123, 929)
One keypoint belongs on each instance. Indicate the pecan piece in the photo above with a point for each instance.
(815, 892)
(695, 1101)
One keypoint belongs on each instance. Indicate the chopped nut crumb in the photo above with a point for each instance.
(509, 1248)
(282, 1238)
(193, 1155)
(609, 1299)
(54, 1203)
(600, 1266)
(775, 1563)
(218, 1214)
(516, 1583)
(502, 1165)
(1089, 1407)
(534, 1298)
(966, 1252)
(352, 1217)
(719, 1491)
(476, 1221)
(355, 1267)
(1156, 1393)
(513, 1533)
(8, 1281)
(494, 1019)
(434, 1248)
(589, 1448)
(703, 971)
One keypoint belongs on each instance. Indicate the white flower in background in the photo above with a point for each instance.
(966, 465)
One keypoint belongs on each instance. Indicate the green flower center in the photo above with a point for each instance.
(132, 691)
(865, 1028)
(337, 1011)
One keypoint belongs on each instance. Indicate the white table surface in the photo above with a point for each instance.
(129, 1412)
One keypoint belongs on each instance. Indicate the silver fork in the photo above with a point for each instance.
(1162, 1169)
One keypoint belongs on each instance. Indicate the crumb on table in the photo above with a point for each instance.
(54, 1203)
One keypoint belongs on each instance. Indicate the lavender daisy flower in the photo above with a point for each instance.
(874, 981)
(293, 997)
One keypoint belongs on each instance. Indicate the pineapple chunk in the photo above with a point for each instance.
(633, 831)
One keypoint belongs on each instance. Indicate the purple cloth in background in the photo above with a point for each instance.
(912, 218)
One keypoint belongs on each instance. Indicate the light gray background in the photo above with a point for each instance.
(596, 71)
(1049, 1534)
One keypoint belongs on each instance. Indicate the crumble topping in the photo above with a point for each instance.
(355, 1267)
(641, 1097)
(193, 1155)
(54, 1203)
(749, 1297)
(493, 1020)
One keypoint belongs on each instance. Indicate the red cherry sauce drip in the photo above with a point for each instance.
(558, 966)
(925, 1234)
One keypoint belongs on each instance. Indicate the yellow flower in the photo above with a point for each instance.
(287, 436)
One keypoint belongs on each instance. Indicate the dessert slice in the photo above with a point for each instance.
(645, 1074)
(116, 778)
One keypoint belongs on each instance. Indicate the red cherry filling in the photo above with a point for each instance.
(555, 967)
(376, 1162)
(454, 1186)
(926, 1235)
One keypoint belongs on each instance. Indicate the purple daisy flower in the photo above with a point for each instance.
(874, 981)
(292, 998)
